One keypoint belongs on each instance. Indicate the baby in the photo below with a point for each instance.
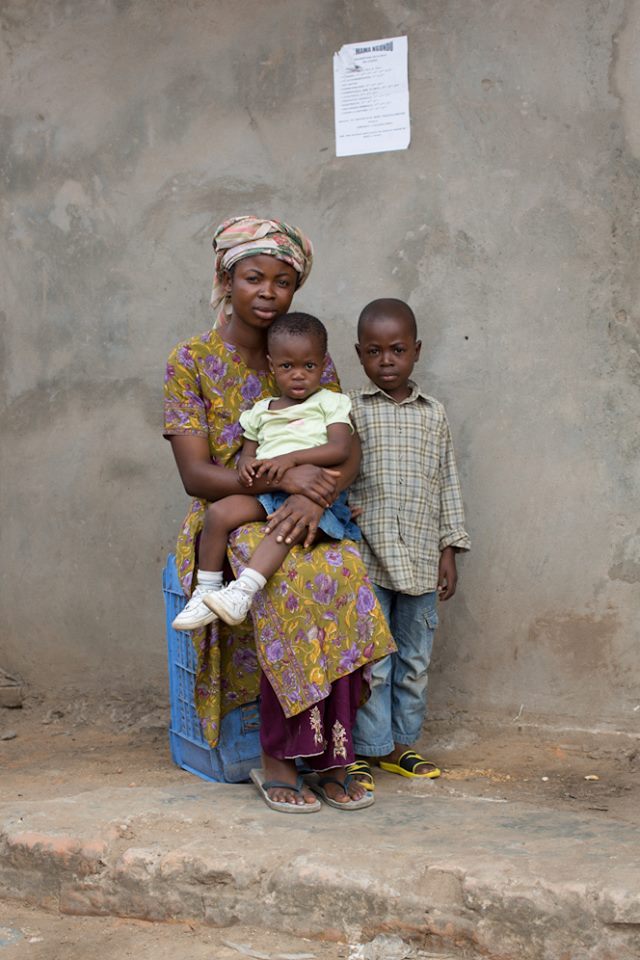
(304, 425)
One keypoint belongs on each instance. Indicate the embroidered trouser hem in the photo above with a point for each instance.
(321, 734)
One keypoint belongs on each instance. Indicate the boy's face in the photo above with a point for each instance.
(297, 363)
(388, 352)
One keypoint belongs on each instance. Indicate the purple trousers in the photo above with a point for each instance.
(321, 734)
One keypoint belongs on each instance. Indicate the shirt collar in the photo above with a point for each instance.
(416, 392)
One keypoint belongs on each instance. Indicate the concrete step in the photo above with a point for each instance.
(508, 880)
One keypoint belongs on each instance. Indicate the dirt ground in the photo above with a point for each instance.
(28, 934)
(71, 745)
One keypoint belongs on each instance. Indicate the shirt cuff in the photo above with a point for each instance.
(455, 538)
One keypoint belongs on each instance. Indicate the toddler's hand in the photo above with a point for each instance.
(247, 472)
(273, 470)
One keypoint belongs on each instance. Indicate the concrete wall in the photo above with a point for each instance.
(131, 127)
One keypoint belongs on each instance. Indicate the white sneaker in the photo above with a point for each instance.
(196, 613)
(231, 604)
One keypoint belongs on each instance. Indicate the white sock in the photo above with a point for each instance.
(211, 579)
(250, 581)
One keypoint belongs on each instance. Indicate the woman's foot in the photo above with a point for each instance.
(353, 791)
(286, 772)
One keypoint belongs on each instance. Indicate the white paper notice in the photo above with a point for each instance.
(371, 97)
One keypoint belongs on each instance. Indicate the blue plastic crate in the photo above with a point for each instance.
(238, 748)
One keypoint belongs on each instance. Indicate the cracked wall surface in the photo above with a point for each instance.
(128, 130)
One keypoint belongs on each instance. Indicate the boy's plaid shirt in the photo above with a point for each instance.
(408, 488)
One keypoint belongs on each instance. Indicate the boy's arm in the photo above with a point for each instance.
(452, 531)
(333, 453)
(452, 534)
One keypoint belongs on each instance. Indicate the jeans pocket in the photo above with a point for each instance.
(431, 618)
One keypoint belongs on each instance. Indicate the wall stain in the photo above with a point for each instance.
(192, 196)
(123, 470)
(49, 403)
(24, 155)
(4, 356)
(584, 642)
(626, 560)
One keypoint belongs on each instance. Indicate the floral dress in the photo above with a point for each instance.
(317, 620)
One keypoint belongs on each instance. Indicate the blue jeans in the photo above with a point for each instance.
(395, 711)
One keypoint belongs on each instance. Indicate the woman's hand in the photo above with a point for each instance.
(295, 515)
(317, 483)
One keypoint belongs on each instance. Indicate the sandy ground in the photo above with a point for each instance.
(27, 934)
(71, 745)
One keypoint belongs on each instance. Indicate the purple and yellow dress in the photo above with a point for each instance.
(317, 622)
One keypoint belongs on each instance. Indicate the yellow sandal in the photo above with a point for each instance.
(406, 765)
(361, 770)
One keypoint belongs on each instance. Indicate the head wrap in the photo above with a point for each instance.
(241, 237)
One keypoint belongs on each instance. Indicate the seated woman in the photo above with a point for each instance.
(316, 624)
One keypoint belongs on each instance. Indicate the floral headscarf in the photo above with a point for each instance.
(241, 237)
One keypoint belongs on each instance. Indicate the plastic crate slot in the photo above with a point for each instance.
(238, 747)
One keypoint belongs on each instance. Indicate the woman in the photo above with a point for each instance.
(317, 623)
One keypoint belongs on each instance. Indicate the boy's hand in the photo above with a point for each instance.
(275, 468)
(447, 574)
(247, 471)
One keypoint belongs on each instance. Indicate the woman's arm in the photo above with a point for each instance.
(301, 512)
(203, 479)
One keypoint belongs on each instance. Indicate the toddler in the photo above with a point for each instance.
(304, 425)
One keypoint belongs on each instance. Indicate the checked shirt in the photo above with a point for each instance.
(408, 488)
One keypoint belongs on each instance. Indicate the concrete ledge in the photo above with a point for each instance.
(509, 880)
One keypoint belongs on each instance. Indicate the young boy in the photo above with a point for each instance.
(412, 524)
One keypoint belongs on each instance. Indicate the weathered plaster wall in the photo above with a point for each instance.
(130, 129)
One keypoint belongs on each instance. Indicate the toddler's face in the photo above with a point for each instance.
(388, 351)
(297, 362)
